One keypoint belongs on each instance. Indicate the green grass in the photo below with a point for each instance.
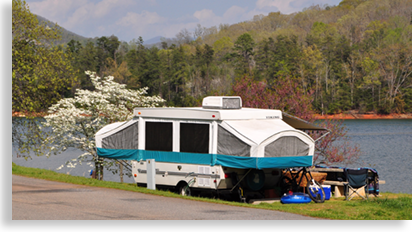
(389, 206)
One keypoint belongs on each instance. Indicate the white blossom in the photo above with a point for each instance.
(75, 121)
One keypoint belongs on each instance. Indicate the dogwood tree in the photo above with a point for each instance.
(74, 121)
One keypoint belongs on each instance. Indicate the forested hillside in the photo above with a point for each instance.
(354, 56)
(66, 35)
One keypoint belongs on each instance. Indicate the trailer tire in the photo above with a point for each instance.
(184, 189)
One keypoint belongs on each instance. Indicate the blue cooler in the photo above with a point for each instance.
(326, 189)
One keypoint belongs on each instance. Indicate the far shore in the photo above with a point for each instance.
(346, 115)
(350, 115)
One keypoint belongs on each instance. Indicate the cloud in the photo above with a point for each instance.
(55, 10)
(104, 7)
(144, 19)
(208, 18)
(74, 14)
(286, 6)
(234, 14)
(136, 24)
(91, 11)
(279, 5)
(204, 15)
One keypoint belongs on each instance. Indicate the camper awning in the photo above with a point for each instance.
(299, 123)
(207, 159)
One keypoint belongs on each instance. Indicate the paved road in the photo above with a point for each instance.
(35, 199)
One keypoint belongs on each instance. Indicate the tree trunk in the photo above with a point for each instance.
(121, 172)
(98, 168)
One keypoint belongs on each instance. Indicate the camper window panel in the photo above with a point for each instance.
(287, 146)
(126, 138)
(194, 137)
(229, 144)
(159, 136)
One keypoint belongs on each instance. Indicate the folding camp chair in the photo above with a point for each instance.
(356, 180)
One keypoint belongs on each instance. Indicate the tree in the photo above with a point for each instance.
(85, 59)
(74, 46)
(177, 79)
(285, 94)
(75, 121)
(310, 69)
(371, 76)
(199, 31)
(184, 37)
(106, 47)
(141, 62)
(277, 57)
(41, 73)
(335, 148)
(243, 47)
(222, 46)
(264, 58)
(254, 94)
(350, 3)
(395, 66)
(120, 72)
(208, 55)
(165, 66)
(325, 37)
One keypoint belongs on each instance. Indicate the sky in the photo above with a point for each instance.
(129, 19)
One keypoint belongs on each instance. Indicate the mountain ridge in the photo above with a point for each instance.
(66, 35)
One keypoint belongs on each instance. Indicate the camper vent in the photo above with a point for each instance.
(222, 103)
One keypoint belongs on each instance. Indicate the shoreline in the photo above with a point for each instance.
(341, 116)
(371, 116)
(21, 114)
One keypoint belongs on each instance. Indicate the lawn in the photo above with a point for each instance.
(389, 206)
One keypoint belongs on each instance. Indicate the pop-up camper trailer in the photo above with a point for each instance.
(219, 146)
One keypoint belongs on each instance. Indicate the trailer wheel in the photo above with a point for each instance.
(184, 189)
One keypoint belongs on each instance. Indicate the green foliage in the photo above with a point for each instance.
(243, 47)
(41, 73)
(222, 46)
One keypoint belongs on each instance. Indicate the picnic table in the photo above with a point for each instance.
(332, 178)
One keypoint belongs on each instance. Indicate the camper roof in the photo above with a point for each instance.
(207, 114)
(223, 108)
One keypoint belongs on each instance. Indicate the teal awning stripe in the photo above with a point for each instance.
(121, 154)
(285, 162)
(207, 159)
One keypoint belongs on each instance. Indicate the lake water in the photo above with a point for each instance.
(386, 145)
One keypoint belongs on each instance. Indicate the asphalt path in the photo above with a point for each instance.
(36, 199)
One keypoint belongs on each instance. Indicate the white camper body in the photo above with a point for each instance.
(220, 146)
